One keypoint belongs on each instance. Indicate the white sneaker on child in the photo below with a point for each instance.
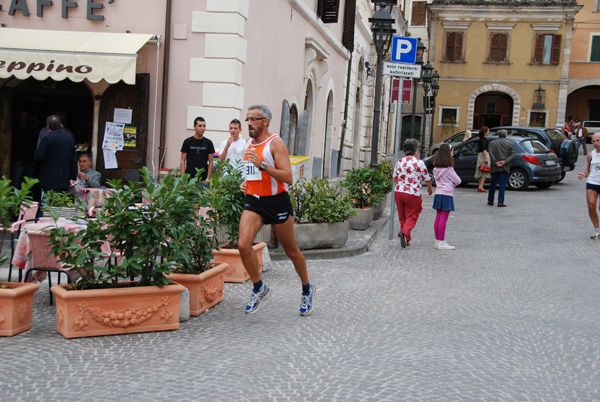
(437, 244)
(445, 246)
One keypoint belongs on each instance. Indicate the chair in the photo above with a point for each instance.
(27, 214)
(42, 259)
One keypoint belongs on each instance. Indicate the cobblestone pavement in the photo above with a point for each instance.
(513, 314)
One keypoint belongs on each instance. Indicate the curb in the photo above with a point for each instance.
(363, 238)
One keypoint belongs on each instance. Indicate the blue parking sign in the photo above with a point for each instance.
(404, 50)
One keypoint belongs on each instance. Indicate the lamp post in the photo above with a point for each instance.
(435, 87)
(381, 26)
(427, 79)
(420, 50)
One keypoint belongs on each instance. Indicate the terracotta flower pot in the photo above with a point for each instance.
(16, 307)
(236, 272)
(206, 289)
(125, 310)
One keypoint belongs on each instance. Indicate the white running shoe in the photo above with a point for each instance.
(445, 246)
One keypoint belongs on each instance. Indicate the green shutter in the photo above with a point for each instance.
(595, 56)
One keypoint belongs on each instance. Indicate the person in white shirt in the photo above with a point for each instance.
(233, 148)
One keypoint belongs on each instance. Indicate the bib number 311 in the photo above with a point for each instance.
(251, 172)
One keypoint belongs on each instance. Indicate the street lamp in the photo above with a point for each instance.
(419, 60)
(427, 79)
(381, 26)
(435, 87)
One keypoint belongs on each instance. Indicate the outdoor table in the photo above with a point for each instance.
(22, 256)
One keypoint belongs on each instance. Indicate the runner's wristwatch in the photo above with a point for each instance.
(262, 166)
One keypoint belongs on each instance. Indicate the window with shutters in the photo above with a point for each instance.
(547, 49)
(498, 48)
(595, 51)
(327, 11)
(454, 46)
(419, 13)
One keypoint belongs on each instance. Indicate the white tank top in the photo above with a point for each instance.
(594, 177)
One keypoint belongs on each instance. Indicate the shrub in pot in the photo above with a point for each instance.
(321, 214)
(365, 187)
(192, 242)
(16, 299)
(140, 234)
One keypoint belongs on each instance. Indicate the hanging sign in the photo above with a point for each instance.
(402, 70)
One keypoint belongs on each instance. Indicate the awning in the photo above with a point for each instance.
(77, 56)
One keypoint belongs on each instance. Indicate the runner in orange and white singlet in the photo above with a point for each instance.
(268, 172)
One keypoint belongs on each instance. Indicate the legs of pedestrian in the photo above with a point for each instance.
(439, 227)
(592, 197)
(492, 189)
(503, 179)
(411, 207)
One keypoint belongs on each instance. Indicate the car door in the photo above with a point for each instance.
(465, 160)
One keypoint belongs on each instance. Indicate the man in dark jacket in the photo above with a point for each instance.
(57, 157)
(502, 152)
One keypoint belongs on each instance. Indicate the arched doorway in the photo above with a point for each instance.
(584, 103)
(493, 109)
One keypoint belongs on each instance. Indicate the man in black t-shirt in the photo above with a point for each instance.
(197, 152)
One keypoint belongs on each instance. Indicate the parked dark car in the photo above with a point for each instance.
(455, 139)
(533, 163)
(564, 148)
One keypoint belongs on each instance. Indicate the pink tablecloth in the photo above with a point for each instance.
(22, 257)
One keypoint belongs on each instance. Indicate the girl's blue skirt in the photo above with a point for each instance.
(443, 202)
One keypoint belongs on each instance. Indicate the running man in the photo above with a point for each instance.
(593, 183)
(268, 172)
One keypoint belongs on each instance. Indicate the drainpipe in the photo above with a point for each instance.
(163, 108)
(343, 133)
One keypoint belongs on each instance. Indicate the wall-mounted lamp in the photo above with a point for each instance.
(368, 69)
(539, 96)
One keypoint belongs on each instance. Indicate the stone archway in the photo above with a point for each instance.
(493, 88)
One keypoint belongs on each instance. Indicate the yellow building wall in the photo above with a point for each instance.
(459, 80)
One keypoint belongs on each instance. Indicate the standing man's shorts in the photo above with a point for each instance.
(273, 209)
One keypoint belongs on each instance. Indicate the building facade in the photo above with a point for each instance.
(501, 63)
(155, 65)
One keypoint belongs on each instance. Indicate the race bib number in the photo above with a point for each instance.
(251, 172)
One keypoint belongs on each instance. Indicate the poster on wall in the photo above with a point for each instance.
(129, 137)
(113, 142)
(122, 115)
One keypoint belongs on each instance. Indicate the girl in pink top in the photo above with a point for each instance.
(446, 180)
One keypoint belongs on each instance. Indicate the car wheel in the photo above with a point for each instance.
(518, 180)
(544, 185)
(562, 176)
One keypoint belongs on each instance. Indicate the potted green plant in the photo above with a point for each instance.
(16, 298)
(63, 204)
(364, 186)
(387, 170)
(227, 204)
(321, 214)
(101, 302)
(192, 241)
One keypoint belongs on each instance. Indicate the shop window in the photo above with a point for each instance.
(595, 51)
(498, 48)
(419, 13)
(454, 46)
(327, 11)
(547, 49)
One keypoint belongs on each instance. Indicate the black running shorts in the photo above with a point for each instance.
(273, 209)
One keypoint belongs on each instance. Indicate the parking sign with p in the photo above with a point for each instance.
(404, 50)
